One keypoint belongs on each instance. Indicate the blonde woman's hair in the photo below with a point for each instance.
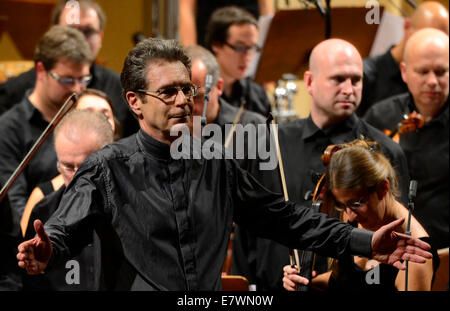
(360, 164)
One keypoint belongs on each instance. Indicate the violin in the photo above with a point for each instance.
(411, 123)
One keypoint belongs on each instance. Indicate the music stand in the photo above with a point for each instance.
(293, 34)
(26, 21)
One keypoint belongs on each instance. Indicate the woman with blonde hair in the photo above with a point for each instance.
(361, 182)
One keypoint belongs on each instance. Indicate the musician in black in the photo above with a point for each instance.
(362, 184)
(382, 76)
(426, 72)
(91, 23)
(232, 36)
(164, 215)
(334, 81)
(62, 59)
(248, 148)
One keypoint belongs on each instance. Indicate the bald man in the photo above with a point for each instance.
(382, 76)
(78, 135)
(334, 81)
(425, 69)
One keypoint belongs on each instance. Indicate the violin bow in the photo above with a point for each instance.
(49, 129)
(293, 253)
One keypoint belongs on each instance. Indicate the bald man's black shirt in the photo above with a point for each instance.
(427, 153)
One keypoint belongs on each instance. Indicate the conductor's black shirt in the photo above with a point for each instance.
(164, 223)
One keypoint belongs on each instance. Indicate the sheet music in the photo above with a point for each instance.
(263, 25)
(390, 32)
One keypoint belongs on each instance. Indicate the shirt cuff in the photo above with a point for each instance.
(361, 242)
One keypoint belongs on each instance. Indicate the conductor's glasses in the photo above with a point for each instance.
(170, 93)
(243, 48)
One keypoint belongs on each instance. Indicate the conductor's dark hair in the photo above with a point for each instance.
(143, 55)
(222, 19)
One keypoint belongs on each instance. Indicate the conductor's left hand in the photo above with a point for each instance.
(392, 248)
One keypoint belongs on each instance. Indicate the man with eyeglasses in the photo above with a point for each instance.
(164, 223)
(91, 22)
(232, 36)
(334, 81)
(223, 114)
(79, 134)
(62, 59)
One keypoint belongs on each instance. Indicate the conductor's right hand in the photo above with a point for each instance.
(35, 254)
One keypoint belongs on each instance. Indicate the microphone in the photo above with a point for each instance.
(412, 3)
(411, 195)
(138, 37)
(318, 6)
(412, 189)
(208, 87)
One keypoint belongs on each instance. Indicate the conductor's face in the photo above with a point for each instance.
(167, 101)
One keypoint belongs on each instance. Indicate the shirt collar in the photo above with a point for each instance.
(30, 112)
(226, 114)
(152, 146)
(311, 128)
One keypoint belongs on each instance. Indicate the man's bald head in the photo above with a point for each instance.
(425, 41)
(80, 133)
(430, 14)
(425, 69)
(334, 81)
(328, 51)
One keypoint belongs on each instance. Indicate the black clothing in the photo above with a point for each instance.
(88, 260)
(205, 8)
(302, 144)
(13, 90)
(255, 158)
(348, 276)
(427, 152)
(165, 223)
(46, 187)
(20, 127)
(382, 79)
(10, 238)
(251, 94)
